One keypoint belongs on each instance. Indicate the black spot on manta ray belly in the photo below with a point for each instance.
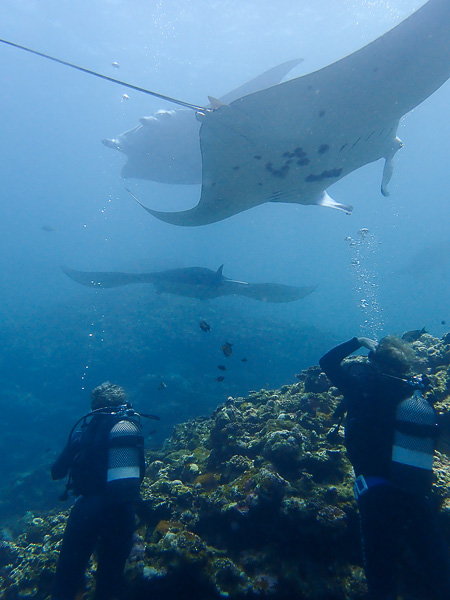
(299, 152)
(321, 113)
(236, 168)
(281, 172)
(257, 156)
(323, 148)
(331, 174)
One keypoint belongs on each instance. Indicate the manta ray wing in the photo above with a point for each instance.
(105, 279)
(289, 143)
(263, 81)
(268, 292)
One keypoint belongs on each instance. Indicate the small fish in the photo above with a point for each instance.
(48, 228)
(220, 378)
(227, 349)
(222, 367)
(162, 386)
(243, 360)
(204, 326)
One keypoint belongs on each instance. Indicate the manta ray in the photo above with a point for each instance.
(290, 142)
(193, 282)
(165, 146)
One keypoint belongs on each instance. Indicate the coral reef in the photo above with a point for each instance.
(254, 501)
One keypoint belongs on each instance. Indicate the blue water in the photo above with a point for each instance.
(59, 340)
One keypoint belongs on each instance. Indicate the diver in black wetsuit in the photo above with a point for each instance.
(105, 462)
(390, 436)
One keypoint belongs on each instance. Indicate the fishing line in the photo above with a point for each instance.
(95, 74)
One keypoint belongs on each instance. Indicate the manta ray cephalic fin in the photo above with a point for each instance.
(388, 169)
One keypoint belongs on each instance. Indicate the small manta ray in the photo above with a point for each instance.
(194, 282)
(291, 142)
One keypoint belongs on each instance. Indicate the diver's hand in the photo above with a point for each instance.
(368, 343)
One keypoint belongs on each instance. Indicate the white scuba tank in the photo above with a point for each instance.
(414, 443)
(124, 460)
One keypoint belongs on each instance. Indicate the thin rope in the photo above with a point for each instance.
(95, 74)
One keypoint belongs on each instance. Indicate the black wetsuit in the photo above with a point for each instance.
(97, 520)
(392, 517)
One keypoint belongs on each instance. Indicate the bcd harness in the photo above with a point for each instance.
(112, 457)
(415, 432)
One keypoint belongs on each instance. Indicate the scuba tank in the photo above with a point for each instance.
(111, 457)
(414, 441)
(124, 466)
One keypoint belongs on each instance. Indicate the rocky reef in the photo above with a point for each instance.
(254, 501)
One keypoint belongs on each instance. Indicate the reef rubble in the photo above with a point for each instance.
(255, 501)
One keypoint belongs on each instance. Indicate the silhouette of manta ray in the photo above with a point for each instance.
(193, 282)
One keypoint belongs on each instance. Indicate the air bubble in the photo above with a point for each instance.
(363, 252)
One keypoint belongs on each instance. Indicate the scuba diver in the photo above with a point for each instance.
(391, 434)
(104, 458)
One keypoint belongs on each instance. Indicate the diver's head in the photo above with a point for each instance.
(108, 395)
(393, 355)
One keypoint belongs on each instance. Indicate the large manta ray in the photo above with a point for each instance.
(194, 282)
(165, 146)
(290, 142)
